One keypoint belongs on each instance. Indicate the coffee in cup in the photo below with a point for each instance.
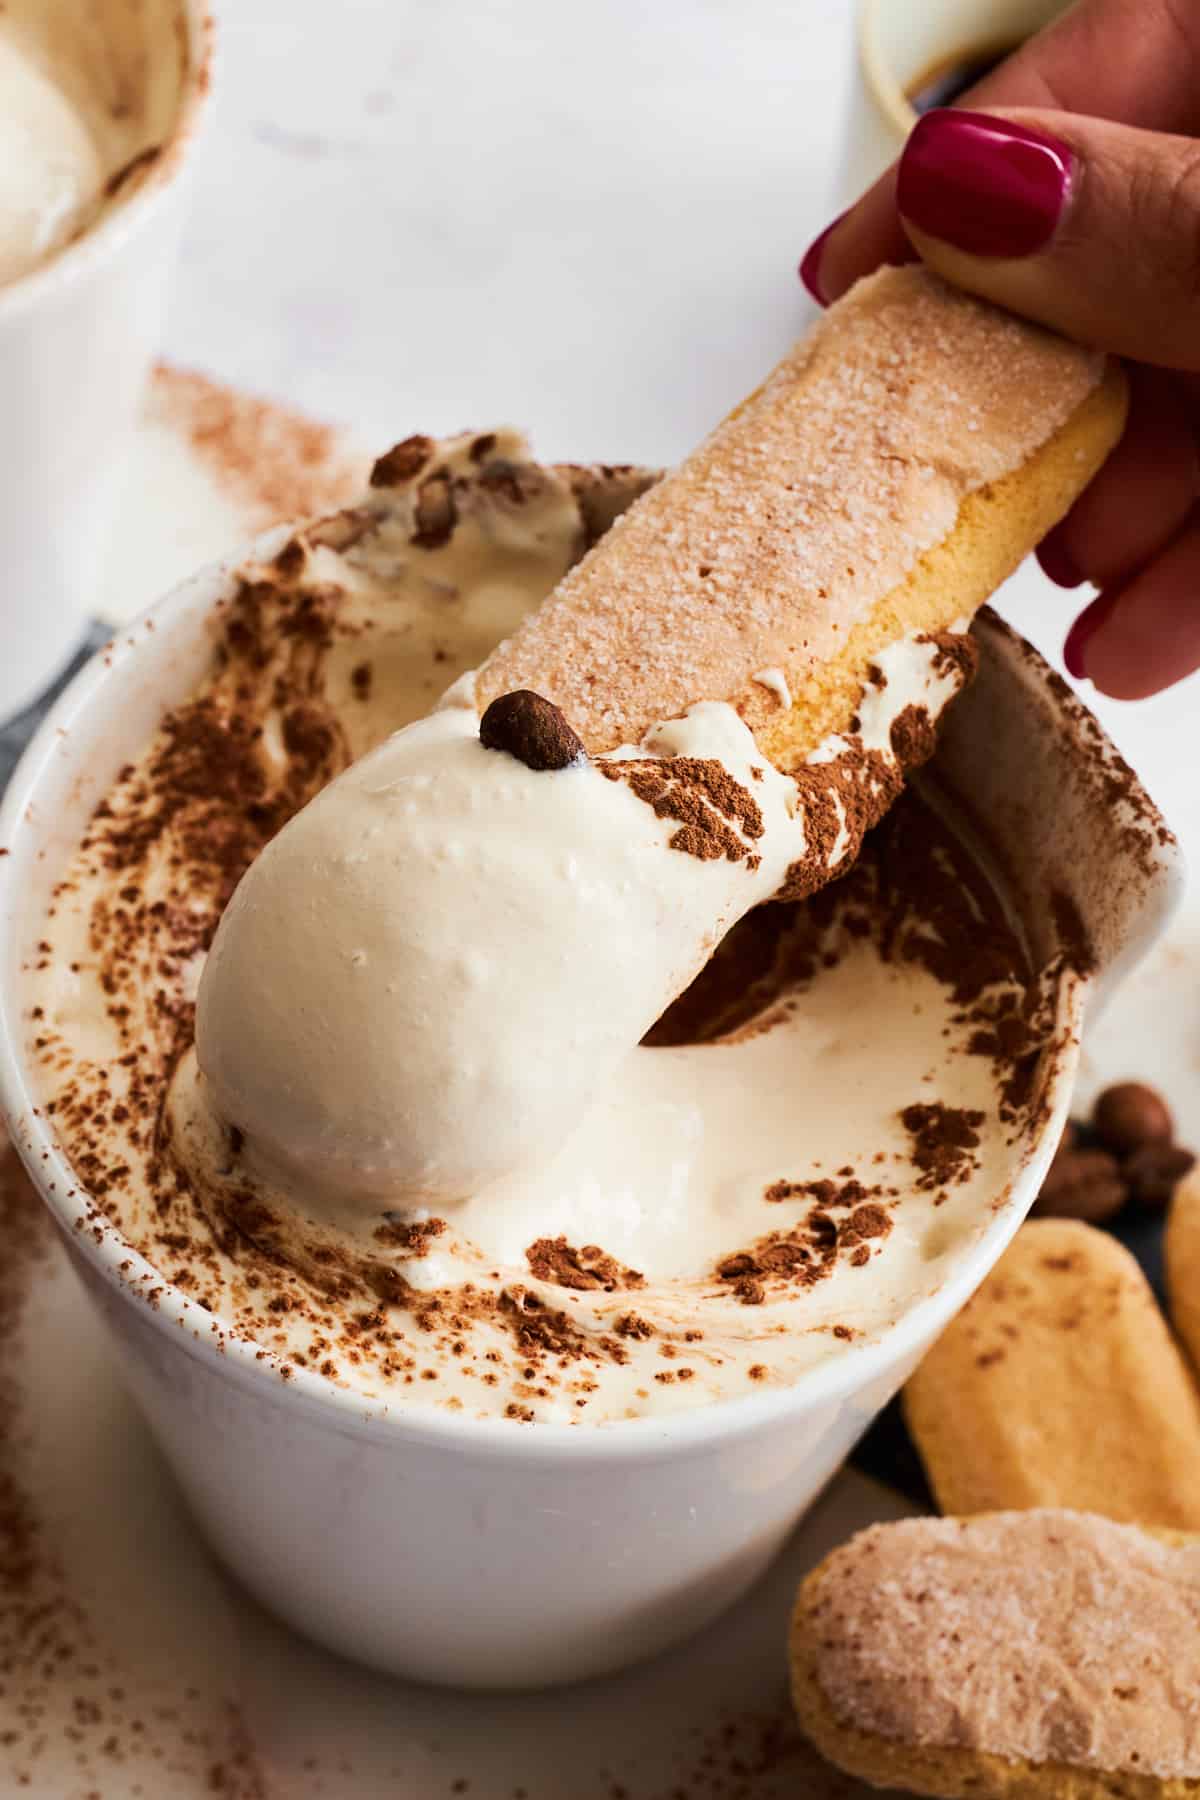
(952, 76)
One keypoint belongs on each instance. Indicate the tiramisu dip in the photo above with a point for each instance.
(89, 91)
(801, 1144)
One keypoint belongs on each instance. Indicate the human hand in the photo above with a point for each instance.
(1075, 200)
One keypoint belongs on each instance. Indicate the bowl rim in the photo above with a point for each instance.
(87, 253)
(78, 714)
(885, 90)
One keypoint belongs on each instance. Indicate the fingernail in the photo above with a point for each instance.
(810, 263)
(984, 185)
(1057, 562)
(1083, 631)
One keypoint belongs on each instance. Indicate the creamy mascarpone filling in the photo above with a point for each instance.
(742, 1197)
(428, 977)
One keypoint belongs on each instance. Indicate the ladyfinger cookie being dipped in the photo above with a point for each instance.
(1043, 1655)
(709, 711)
(881, 483)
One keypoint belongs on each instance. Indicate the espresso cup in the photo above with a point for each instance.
(916, 53)
(78, 329)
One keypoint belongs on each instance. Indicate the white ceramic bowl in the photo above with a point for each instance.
(76, 339)
(486, 1553)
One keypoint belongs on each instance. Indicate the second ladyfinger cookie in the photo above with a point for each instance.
(1060, 1385)
(1181, 1254)
(1044, 1655)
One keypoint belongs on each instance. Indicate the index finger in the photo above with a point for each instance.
(1136, 62)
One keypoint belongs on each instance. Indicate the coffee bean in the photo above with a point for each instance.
(1130, 1115)
(436, 513)
(531, 729)
(1154, 1172)
(402, 462)
(1071, 1139)
(1082, 1184)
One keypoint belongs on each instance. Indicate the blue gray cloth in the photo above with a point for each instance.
(15, 733)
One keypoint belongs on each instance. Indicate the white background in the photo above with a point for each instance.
(425, 214)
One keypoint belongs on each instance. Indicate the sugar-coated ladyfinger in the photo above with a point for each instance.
(1047, 1655)
(1181, 1251)
(885, 478)
(1059, 1384)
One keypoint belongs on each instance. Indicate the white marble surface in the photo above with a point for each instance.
(425, 214)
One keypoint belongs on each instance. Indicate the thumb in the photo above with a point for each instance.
(1090, 227)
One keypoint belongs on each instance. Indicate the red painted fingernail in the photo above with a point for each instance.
(810, 263)
(984, 185)
(1083, 631)
(1057, 561)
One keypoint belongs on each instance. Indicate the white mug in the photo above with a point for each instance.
(77, 334)
(903, 42)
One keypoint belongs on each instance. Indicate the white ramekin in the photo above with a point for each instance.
(492, 1554)
(76, 340)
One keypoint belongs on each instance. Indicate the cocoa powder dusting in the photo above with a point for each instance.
(436, 512)
(826, 1191)
(800, 1257)
(842, 800)
(913, 737)
(819, 792)
(68, 1685)
(554, 1260)
(1072, 932)
(957, 654)
(413, 1237)
(403, 462)
(920, 897)
(274, 463)
(756, 1756)
(944, 1140)
(715, 813)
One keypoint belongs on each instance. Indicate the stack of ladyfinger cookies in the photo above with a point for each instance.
(1042, 1640)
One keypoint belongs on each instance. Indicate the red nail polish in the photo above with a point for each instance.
(984, 185)
(1057, 561)
(810, 263)
(1083, 631)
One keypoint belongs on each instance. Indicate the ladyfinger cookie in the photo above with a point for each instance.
(1059, 1384)
(1045, 1655)
(883, 481)
(1181, 1254)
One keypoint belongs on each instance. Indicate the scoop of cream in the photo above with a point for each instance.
(426, 977)
(51, 169)
(436, 968)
